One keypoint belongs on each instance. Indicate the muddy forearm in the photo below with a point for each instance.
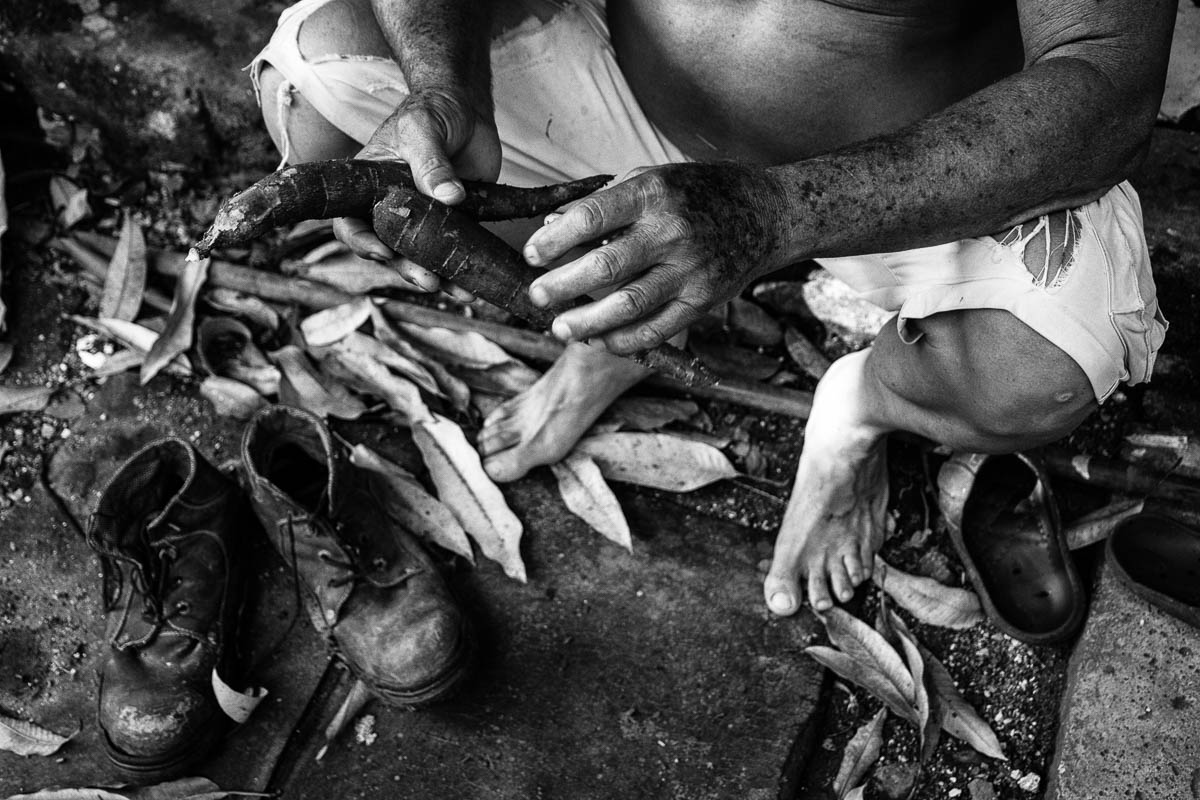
(1051, 137)
(442, 45)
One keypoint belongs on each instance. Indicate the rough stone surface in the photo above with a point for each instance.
(1131, 712)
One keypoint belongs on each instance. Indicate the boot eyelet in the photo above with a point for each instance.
(324, 555)
(183, 606)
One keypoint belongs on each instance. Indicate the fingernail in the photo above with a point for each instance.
(561, 330)
(551, 218)
(447, 191)
(531, 254)
(781, 601)
(538, 295)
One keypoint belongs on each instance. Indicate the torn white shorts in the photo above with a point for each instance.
(564, 111)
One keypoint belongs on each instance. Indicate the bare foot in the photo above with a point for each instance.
(834, 523)
(542, 424)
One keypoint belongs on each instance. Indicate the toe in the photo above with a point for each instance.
(843, 587)
(505, 466)
(854, 568)
(494, 438)
(818, 591)
(781, 592)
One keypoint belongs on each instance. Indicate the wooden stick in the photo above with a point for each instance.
(1122, 477)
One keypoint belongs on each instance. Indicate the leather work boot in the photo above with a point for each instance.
(170, 532)
(372, 591)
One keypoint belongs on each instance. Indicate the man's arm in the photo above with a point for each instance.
(1071, 124)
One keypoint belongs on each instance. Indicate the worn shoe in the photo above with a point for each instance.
(1004, 523)
(372, 590)
(1158, 558)
(169, 530)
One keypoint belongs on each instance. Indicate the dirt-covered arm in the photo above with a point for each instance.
(1071, 124)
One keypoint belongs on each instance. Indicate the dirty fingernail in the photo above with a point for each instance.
(550, 218)
(447, 191)
(531, 254)
(538, 295)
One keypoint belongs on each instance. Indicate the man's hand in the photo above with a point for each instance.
(676, 241)
(442, 139)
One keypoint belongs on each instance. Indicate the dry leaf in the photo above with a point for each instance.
(26, 739)
(392, 359)
(134, 336)
(6, 353)
(1096, 526)
(226, 348)
(243, 305)
(928, 600)
(861, 753)
(177, 335)
(842, 309)
(361, 371)
(738, 362)
(119, 362)
(231, 398)
(588, 497)
(856, 793)
(413, 507)
(333, 324)
(302, 386)
(70, 201)
(356, 699)
(451, 385)
(180, 789)
(866, 676)
(650, 413)
(894, 630)
(125, 281)
(352, 274)
(753, 325)
(464, 348)
(786, 297)
(470, 494)
(865, 646)
(956, 715)
(507, 380)
(805, 353)
(14, 399)
(657, 460)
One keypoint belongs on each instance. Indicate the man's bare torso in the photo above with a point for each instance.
(778, 80)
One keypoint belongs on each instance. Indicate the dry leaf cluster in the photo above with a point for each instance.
(353, 359)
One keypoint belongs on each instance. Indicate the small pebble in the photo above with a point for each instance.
(1030, 782)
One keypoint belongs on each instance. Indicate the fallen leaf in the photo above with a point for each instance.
(413, 507)
(867, 647)
(125, 281)
(861, 753)
(302, 386)
(14, 399)
(177, 335)
(956, 715)
(588, 497)
(236, 704)
(26, 739)
(805, 353)
(466, 489)
(841, 308)
(352, 274)
(119, 362)
(6, 354)
(226, 348)
(333, 324)
(361, 371)
(451, 385)
(180, 789)
(393, 360)
(893, 629)
(231, 398)
(134, 336)
(247, 306)
(657, 460)
(856, 793)
(752, 324)
(356, 699)
(929, 601)
(1096, 526)
(650, 413)
(70, 201)
(866, 676)
(507, 380)
(464, 348)
(734, 362)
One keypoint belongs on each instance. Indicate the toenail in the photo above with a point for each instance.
(781, 601)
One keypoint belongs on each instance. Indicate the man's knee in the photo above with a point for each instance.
(1003, 385)
(342, 28)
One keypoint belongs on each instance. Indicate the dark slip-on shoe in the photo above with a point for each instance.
(1004, 524)
(1158, 558)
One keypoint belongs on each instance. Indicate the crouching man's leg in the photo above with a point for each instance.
(977, 380)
